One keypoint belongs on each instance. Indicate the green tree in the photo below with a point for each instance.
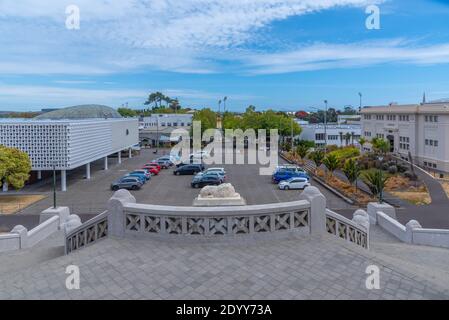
(352, 171)
(15, 167)
(317, 157)
(208, 119)
(302, 150)
(332, 163)
(127, 112)
(376, 182)
(362, 142)
(380, 145)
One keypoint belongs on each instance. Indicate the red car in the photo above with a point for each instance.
(153, 170)
(153, 164)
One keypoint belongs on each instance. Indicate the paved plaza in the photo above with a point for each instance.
(317, 267)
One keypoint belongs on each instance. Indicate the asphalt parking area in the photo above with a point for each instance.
(89, 197)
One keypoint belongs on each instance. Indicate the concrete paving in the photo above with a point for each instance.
(317, 267)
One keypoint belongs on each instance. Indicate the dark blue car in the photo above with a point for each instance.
(285, 174)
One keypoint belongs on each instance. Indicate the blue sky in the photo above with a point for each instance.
(283, 54)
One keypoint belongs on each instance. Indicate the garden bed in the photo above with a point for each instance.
(14, 204)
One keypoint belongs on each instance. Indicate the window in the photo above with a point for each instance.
(427, 142)
(320, 136)
(435, 143)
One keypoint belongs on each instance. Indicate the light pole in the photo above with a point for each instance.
(54, 185)
(292, 134)
(325, 126)
(224, 104)
(219, 107)
(360, 108)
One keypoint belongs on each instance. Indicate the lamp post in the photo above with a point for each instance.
(360, 107)
(380, 181)
(54, 185)
(224, 104)
(219, 107)
(325, 126)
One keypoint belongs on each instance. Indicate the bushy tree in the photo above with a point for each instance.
(317, 157)
(127, 112)
(332, 163)
(15, 167)
(376, 182)
(352, 171)
(302, 150)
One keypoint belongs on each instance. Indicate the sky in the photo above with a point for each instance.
(284, 54)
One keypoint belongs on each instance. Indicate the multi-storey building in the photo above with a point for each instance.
(65, 144)
(159, 127)
(338, 135)
(421, 131)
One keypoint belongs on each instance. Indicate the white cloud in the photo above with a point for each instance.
(181, 36)
(332, 56)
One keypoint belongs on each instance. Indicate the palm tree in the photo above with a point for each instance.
(317, 157)
(352, 171)
(362, 142)
(376, 182)
(332, 163)
(347, 138)
(380, 145)
(302, 150)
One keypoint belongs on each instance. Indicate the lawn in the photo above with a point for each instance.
(13, 204)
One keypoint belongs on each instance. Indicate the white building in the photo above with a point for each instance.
(421, 130)
(338, 135)
(70, 143)
(158, 127)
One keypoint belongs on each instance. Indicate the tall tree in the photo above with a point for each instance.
(332, 163)
(352, 171)
(317, 157)
(376, 182)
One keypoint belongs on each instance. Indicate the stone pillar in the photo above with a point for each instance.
(130, 153)
(116, 221)
(39, 175)
(23, 234)
(62, 212)
(374, 207)
(317, 209)
(412, 224)
(119, 156)
(88, 171)
(5, 186)
(63, 180)
(106, 163)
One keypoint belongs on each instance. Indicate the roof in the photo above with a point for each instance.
(433, 108)
(89, 111)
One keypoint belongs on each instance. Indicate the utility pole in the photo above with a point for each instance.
(292, 134)
(54, 185)
(360, 108)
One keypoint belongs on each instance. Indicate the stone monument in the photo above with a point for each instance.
(222, 195)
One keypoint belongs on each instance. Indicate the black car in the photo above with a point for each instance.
(191, 161)
(206, 180)
(189, 169)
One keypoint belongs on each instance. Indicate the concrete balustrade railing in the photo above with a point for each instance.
(384, 215)
(126, 218)
(51, 221)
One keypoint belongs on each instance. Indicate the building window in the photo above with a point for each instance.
(320, 136)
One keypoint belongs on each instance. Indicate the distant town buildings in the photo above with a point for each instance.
(421, 130)
(338, 135)
(159, 127)
(69, 138)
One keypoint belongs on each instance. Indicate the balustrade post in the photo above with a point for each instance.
(317, 209)
(116, 216)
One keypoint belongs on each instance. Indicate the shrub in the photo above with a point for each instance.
(346, 153)
(393, 169)
(412, 176)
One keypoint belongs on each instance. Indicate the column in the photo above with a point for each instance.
(106, 163)
(63, 181)
(119, 155)
(5, 186)
(130, 153)
(88, 171)
(39, 175)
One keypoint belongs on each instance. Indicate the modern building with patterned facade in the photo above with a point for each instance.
(70, 143)
(420, 130)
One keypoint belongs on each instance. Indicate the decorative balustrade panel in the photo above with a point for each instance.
(347, 230)
(89, 232)
(138, 223)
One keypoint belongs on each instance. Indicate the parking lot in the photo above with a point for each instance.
(89, 197)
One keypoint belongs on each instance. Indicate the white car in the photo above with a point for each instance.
(297, 183)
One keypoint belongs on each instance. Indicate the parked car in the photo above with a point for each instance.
(219, 171)
(167, 159)
(206, 180)
(294, 184)
(130, 183)
(212, 173)
(154, 165)
(164, 164)
(145, 172)
(189, 169)
(191, 161)
(285, 174)
(153, 170)
(140, 176)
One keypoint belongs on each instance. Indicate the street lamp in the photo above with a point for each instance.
(54, 184)
(219, 106)
(224, 104)
(360, 108)
(325, 125)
